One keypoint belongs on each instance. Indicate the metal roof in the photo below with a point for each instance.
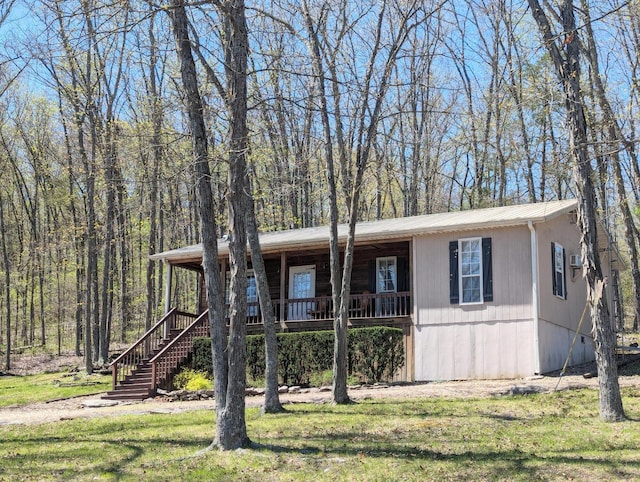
(386, 229)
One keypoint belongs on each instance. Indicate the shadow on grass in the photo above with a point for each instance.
(495, 463)
(88, 456)
(109, 447)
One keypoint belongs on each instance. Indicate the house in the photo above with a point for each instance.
(480, 294)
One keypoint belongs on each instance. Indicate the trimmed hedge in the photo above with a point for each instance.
(374, 354)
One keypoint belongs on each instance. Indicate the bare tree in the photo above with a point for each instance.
(616, 142)
(228, 353)
(371, 86)
(564, 52)
(7, 283)
(271, 397)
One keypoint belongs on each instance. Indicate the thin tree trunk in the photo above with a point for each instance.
(125, 257)
(271, 397)
(232, 430)
(615, 139)
(334, 252)
(108, 256)
(7, 284)
(77, 237)
(156, 122)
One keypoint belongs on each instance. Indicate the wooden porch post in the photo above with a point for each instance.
(410, 334)
(283, 284)
(167, 295)
(223, 276)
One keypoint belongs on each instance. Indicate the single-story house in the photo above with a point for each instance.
(480, 294)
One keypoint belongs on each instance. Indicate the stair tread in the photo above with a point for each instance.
(120, 389)
(121, 397)
(138, 383)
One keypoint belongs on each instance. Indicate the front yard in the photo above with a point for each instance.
(552, 436)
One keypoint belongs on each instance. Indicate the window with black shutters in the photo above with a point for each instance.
(470, 271)
(559, 271)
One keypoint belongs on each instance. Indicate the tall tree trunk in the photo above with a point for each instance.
(77, 237)
(156, 149)
(7, 284)
(228, 355)
(109, 252)
(271, 397)
(125, 257)
(232, 430)
(568, 70)
(334, 252)
(92, 323)
(366, 119)
(616, 139)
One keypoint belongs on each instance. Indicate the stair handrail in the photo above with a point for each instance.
(170, 315)
(170, 346)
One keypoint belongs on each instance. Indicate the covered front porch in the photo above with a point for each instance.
(300, 289)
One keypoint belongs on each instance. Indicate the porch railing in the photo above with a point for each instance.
(364, 305)
(177, 350)
(148, 343)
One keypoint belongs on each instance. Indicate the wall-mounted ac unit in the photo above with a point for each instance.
(575, 261)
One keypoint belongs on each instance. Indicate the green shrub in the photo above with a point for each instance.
(321, 379)
(201, 358)
(190, 379)
(199, 382)
(374, 355)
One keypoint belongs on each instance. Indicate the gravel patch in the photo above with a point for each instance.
(93, 406)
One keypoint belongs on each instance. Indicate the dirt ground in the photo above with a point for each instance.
(83, 407)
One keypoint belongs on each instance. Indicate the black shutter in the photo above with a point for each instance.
(372, 276)
(403, 274)
(564, 271)
(454, 296)
(487, 270)
(553, 268)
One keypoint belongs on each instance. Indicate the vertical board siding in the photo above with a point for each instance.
(555, 310)
(495, 339)
(463, 351)
(560, 318)
(555, 341)
(511, 279)
(490, 340)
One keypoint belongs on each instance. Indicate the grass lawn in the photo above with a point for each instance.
(549, 436)
(18, 390)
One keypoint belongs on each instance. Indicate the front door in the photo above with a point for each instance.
(302, 284)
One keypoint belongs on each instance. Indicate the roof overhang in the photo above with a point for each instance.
(388, 229)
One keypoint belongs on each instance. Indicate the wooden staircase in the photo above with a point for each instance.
(153, 359)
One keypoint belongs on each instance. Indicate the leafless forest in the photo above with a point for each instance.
(424, 106)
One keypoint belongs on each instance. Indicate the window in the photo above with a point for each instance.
(386, 269)
(470, 271)
(558, 266)
(387, 279)
(252, 295)
(252, 292)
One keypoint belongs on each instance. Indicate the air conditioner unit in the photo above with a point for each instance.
(575, 261)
